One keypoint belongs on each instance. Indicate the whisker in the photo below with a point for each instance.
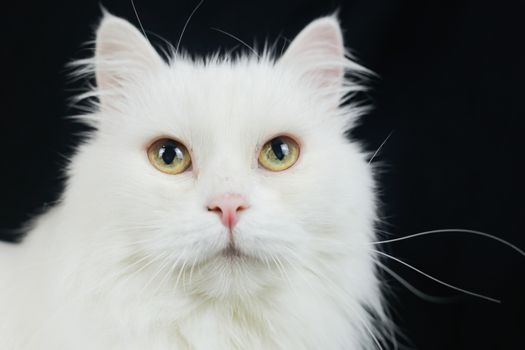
(278, 267)
(238, 39)
(411, 288)
(474, 232)
(180, 274)
(186, 25)
(159, 270)
(192, 267)
(298, 272)
(175, 264)
(169, 46)
(119, 274)
(289, 280)
(365, 325)
(162, 256)
(436, 279)
(380, 147)
(138, 19)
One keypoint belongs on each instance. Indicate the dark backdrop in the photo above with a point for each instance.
(450, 88)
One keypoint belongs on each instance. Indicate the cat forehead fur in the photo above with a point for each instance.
(251, 96)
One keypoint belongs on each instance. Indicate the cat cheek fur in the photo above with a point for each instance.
(141, 261)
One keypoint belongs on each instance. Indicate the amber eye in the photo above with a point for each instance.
(169, 156)
(279, 153)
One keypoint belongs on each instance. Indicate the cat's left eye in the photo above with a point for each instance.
(279, 153)
(169, 156)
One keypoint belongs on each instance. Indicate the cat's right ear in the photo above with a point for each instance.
(318, 54)
(122, 56)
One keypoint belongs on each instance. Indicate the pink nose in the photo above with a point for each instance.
(228, 207)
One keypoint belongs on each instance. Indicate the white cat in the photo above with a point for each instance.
(218, 205)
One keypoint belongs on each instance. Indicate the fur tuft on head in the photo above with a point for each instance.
(317, 58)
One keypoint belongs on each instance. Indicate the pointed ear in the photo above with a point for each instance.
(318, 53)
(122, 55)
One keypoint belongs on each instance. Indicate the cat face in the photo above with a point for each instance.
(222, 112)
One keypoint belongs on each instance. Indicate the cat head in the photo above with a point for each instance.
(233, 168)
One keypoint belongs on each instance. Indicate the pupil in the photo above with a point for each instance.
(279, 148)
(168, 153)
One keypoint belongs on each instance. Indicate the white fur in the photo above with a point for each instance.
(131, 259)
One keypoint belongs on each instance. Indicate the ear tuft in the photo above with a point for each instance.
(122, 54)
(318, 53)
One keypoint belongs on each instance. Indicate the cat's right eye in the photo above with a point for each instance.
(169, 156)
(279, 153)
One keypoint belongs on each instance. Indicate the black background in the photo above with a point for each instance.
(450, 89)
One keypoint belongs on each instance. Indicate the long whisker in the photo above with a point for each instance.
(290, 284)
(238, 39)
(192, 267)
(138, 19)
(135, 273)
(181, 271)
(173, 266)
(298, 272)
(479, 233)
(166, 275)
(186, 25)
(380, 147)
(159, 270)
(338, 245)
(436, 279)
(411, 288)
(272, 257)
(365, 325)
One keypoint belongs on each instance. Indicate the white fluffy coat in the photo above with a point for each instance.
(131, 259)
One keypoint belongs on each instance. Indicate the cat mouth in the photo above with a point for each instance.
(235, 254)
(232, 252)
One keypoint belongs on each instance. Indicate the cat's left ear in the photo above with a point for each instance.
(122, 56)
(318, 54)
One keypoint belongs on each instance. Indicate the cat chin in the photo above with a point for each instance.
(230, 275)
